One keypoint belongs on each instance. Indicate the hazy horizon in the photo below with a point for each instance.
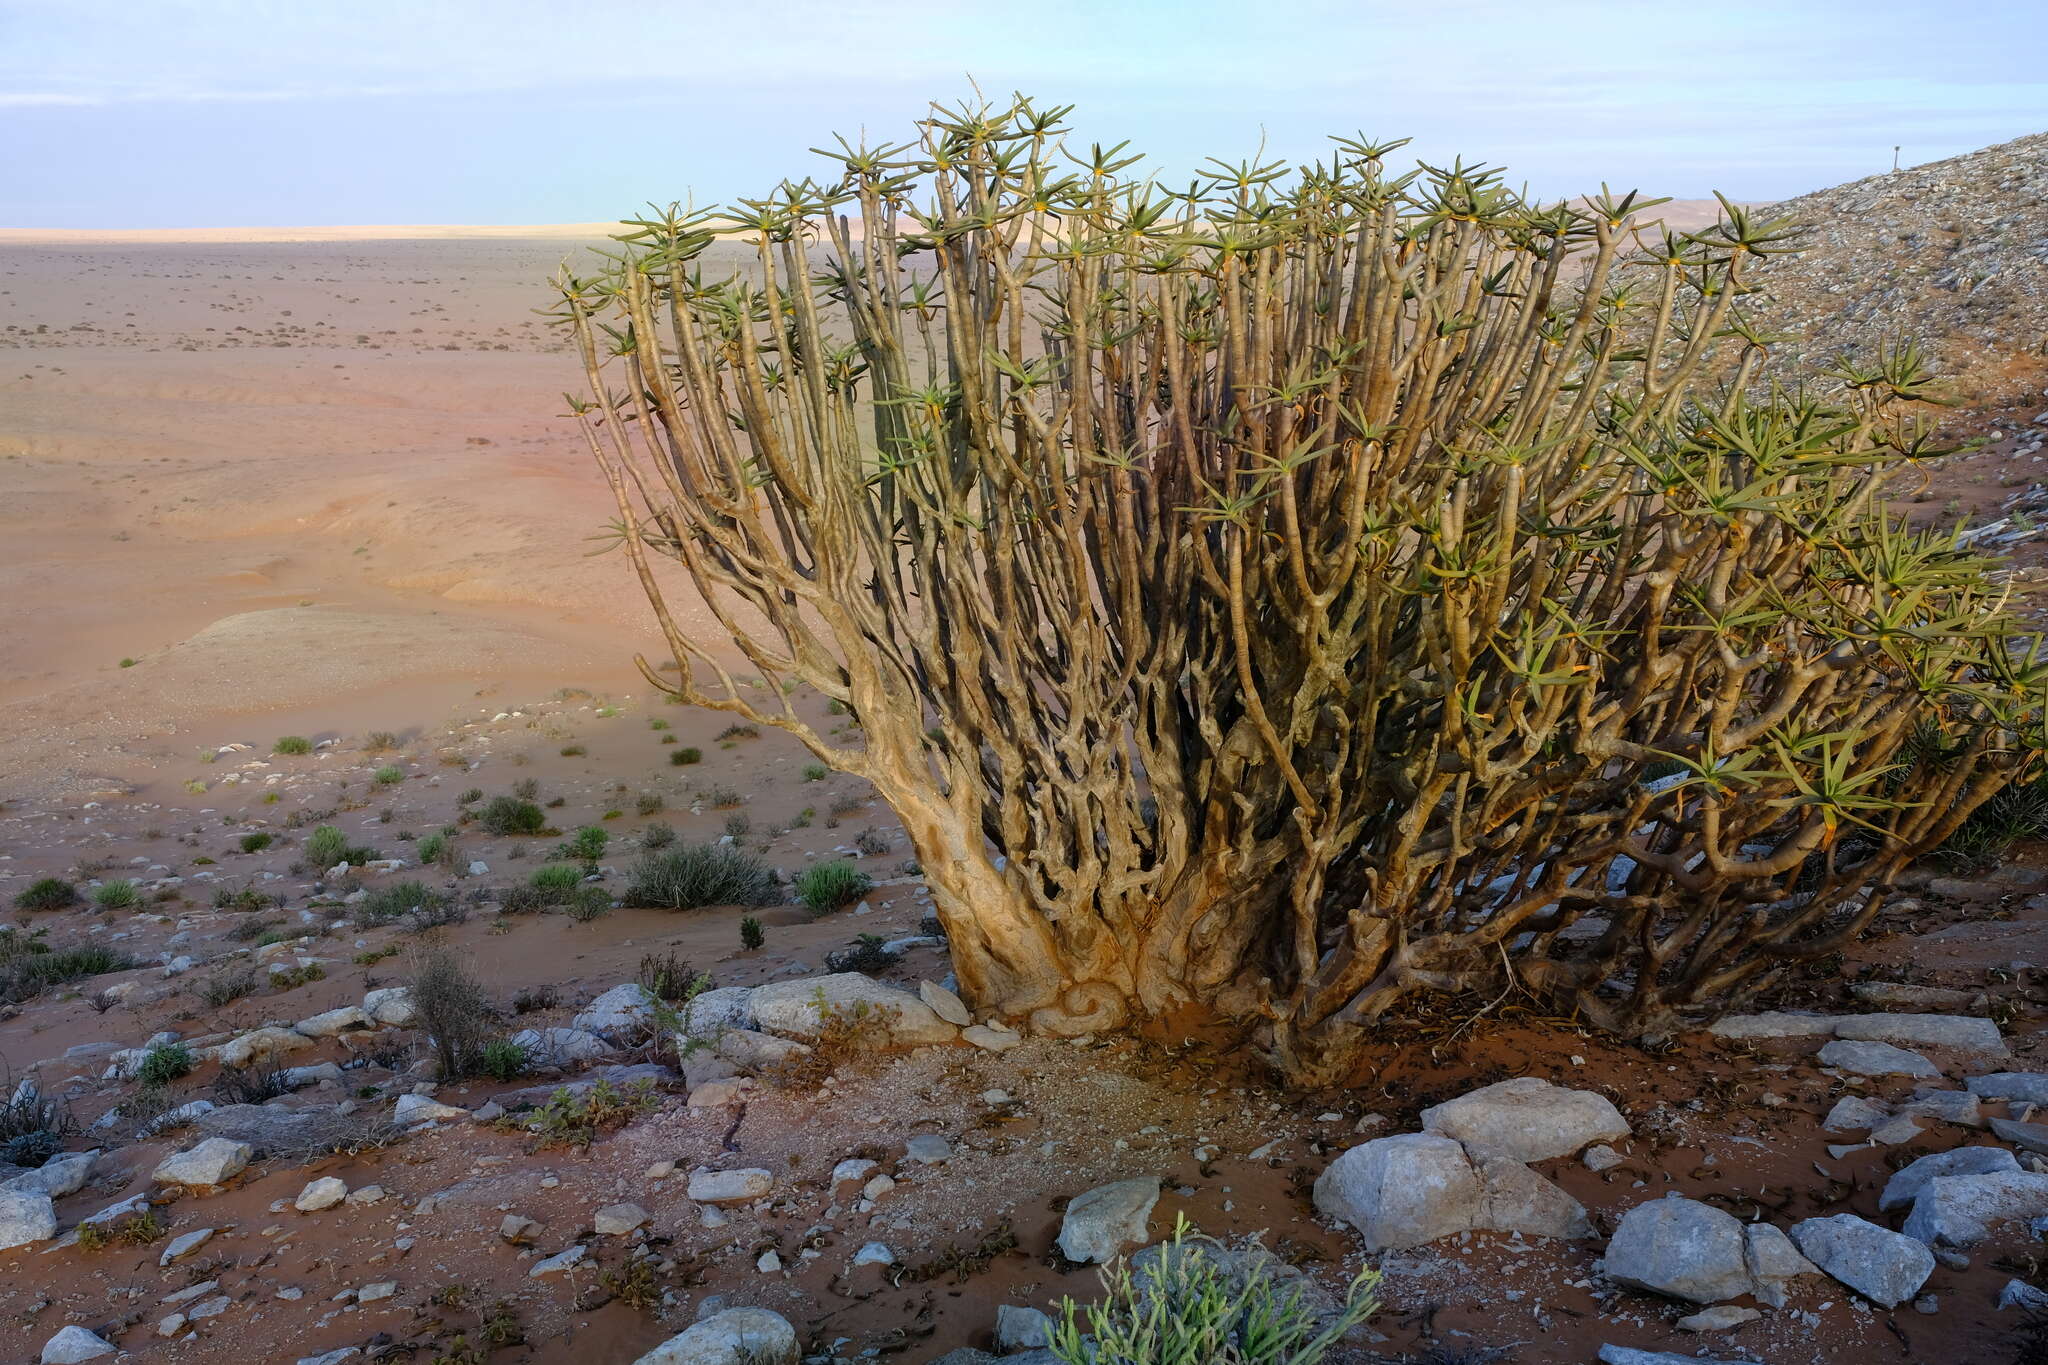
(251, 113)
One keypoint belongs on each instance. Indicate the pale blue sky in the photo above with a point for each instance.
(179, 113)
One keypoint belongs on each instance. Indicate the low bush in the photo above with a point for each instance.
(816, 772)
(685, 756)
(47, 893)
(695, 875)
(657, 836)
(250, 1084)
(752, 935)
(864, 954)
(388, 775)
(502, 1059)
(327, 847)
(572, 1120)
(226, 986)
(586, 845)
(506, 815)
(29, 966)
(831, 884)
(670, 978)
(732, 732)
(436, 848)
(117, 895)
(649, 803)
(32, 1128)
(256, 843)
(453, 1011)
(399, 899)
(292, 744)
(556, 880)
(164, 1063)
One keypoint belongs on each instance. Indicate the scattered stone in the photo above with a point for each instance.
(1876, 1059)
(372, 1293)
(1601, 1157)
(1959, 1210)
(1893, 1131)
(2027, 1087)
(367, 1194)
(208, 1165)
(558, 1263)
(1854, 1114)
(517, 1229)
(1680, 1248)
(323, 1193)
(62, 1174)
(72, 1345)
(183, 1246)
(769, 1262)
(752, 1050)
(1879, 1264)
(944, 1003)
(25, 1216)
(990, 1040)
(621, 1015)
(1514, 1198)
(928, 1148)
(1629, 1355)
(620, 1220)
(563, 1047)
(1773, 1263)
(260, 1046)
(424, 1109)
(1717, 1319)
(334, 1022)
(851, 1171)
(1526, 1119)
(799, 1006)
(2020, 1294)
(1897, 994)
(1905, 1185)
(734, 1336)
(1947, 1106)
(1402, 1191)
(1021, 1329)
(1100, 1223)
(730, 1187)
(392, 1006)
(2031, 1137)
(172, 1325)
(1774, 1024)
(1958, 1032)
(874, 1253)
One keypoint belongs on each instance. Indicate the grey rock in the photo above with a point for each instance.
(1021, 1329)
(1875, 1059)
(1601, 1157)
(210, 1163)
(1946, 1106)
(1773, 1263)
(1680, 1248)
(751, 1050)
(1959, 1032)
(62, 1174)
(1103, 1221)
(72, 1345)
(262, 1045)
(558, 1263)
(1514, 1198)
(735, 1336)
(730, 1187)
(1629, 1355)
(392, 1007)
(320, 1194)
(1894, 994)
(1879, 1264)
(424, 1109)
(715, 1011)
(1854, 1114)
(1402, 1191)
(1717, 1319)
(965, 1355)
(26, 1216)
(1905, 1185)
(944, 1003)
(563, 1047)
(517, 1228)
(270, 1130)
(620, 1220)
(1960, 1210)
(180, 1247)
(1526, 1119)
(799, 1006)
(2031, 1137)
(1774, 1024)
(990, 1039)
(928, 1148)
(2028, 1087)
(622, 1015)
(334, 1022)
(1901, 1128)
(2020, 1294)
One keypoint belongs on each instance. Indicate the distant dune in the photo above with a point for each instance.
(409, 232)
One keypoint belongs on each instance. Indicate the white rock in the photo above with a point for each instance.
(333, 1022)
(1961, 1210)
(1402, 1191)
(392, 1006)
(558, 1263)
(1527, 1119)
(1876, 1059)
(371, 1293)
(183, 1246)
(619, 1220)
(1773, 1263)
(874, 1253)
(1717, 1319)
(730, 1187)
(262, 1045)
(210, 1163)
(737, 1336)
(421, 1108)
(988, 1039)
(799, 1006)
(1960, 1032)
(1905, 1186)
(1876, 1262)
(1021, 1329)
(72, 1345)
(1680, 1248)
(323, 1193)
(62, 1174)
(928, 1149)
(944, 1003)
(622, 1014)
(851, 1171)
(26, 1216)
(1100, 1223)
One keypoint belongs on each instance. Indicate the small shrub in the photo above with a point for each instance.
(845, 806)
(535, 998)
(291, 978)
(502, 1059)
(695, 875)
(256, 843)
(632, 1285)
(572, 1120)
(453, 1011)
(752, 936)
(739, 824)
(32, 1128)
(377, 741)
(117, 895)
(388, 775)
(816, 772)
(436, 848)
(685, 756)
(829, 885)
(872, 843)
(588, 903)
(803, 818)
(399, 899)
(656, 723)
(292, 744)
(649, 803)
(251, 928)
(556, 880)
(670, 978)
(164, 1063)
(732, 732)
(586, 845)
(526, 788)
(864, 954)
(226, 986)
(127, 663)
(724, 798)
(573, 751)
(326, 846)
(512, 815)
(372, 956)
(657, 836)
(250, 1085)
(47, 893)
(471, 796)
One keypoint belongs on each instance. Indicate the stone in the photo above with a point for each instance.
(714, 1094)
(211, 1163)
(26, 1216)
(730, 1187)
(928, 1149)
(517, 1229)
(851, 1171)
(799, 1007)
(1876, 1059)
(2031, 1137)
(715, 1011)
(563, 1047)
(557, 1264)
(1514, 1198)
(270, 1130)
(62, 1174)
(990, 1040)
(1946, 1106)
(1102, 1222)
(367, 1194)
(1854, 1114)
(424, 1109)
(1717, 1319)
(333, 1022)
(1021, 1329)
(262, 1045)
(752, 1050)
(1526, 1119)
(1897, 994)
(1958, 1032)
(1906, 1184)
(622, 1015)
(299, 1077)
(1960, 1210)
(392, 1006)
(769, 1262)
(2028, 1087)
(734, 1336)
(944, 1003)
(1680, 1248)
(180, 1247)
(1601, 1157)
(172, 1325)
(373, 1293)
(1773, 1263)
(2020, 1294)
(1883, 1266)
(323, 1193)
(1774, 1024)
(1402, 1191)
(72, 1345)
(619, 1220)
(1629, 1355)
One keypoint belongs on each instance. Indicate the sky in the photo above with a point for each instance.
(266, 113)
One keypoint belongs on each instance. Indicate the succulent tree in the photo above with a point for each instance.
(1306, 590)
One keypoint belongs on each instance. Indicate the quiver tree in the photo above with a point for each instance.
(1304, 591)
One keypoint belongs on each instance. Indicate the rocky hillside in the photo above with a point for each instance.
(1954, 253)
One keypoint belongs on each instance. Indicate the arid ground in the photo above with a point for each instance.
(319, 487)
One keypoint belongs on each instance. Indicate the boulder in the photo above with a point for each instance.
(423, 1109)
(260, 1046)
(989, 1039)
(1854, 1114)
(211, 1163)
(730, 1187)
(323, 1193)
(1682, 1249)
(1629, 1355)
(1021, 1329)
(713, 1012)
(1527, 1119)
(1514, 1198)
(332, 1022)
(1876, 1059)
(273, 1130)
(62, 1174)
(1905, 1185)
(1773, 1263)
(1945, 1106)
(25, 1216)
(1876, 1262)
(619, 1220)
(750, 1050)
(392, 1007)
(1402, 1191)
(72, 1345)
(799, 1007)
(622, 1015)
(947, 1006)
(1102, 1222)
(1958, 1032)
(736, 1336)
(2031, 1137)
(2028, 1087)
(562, 1047)
(1774, 1024)
(1960, 1210)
